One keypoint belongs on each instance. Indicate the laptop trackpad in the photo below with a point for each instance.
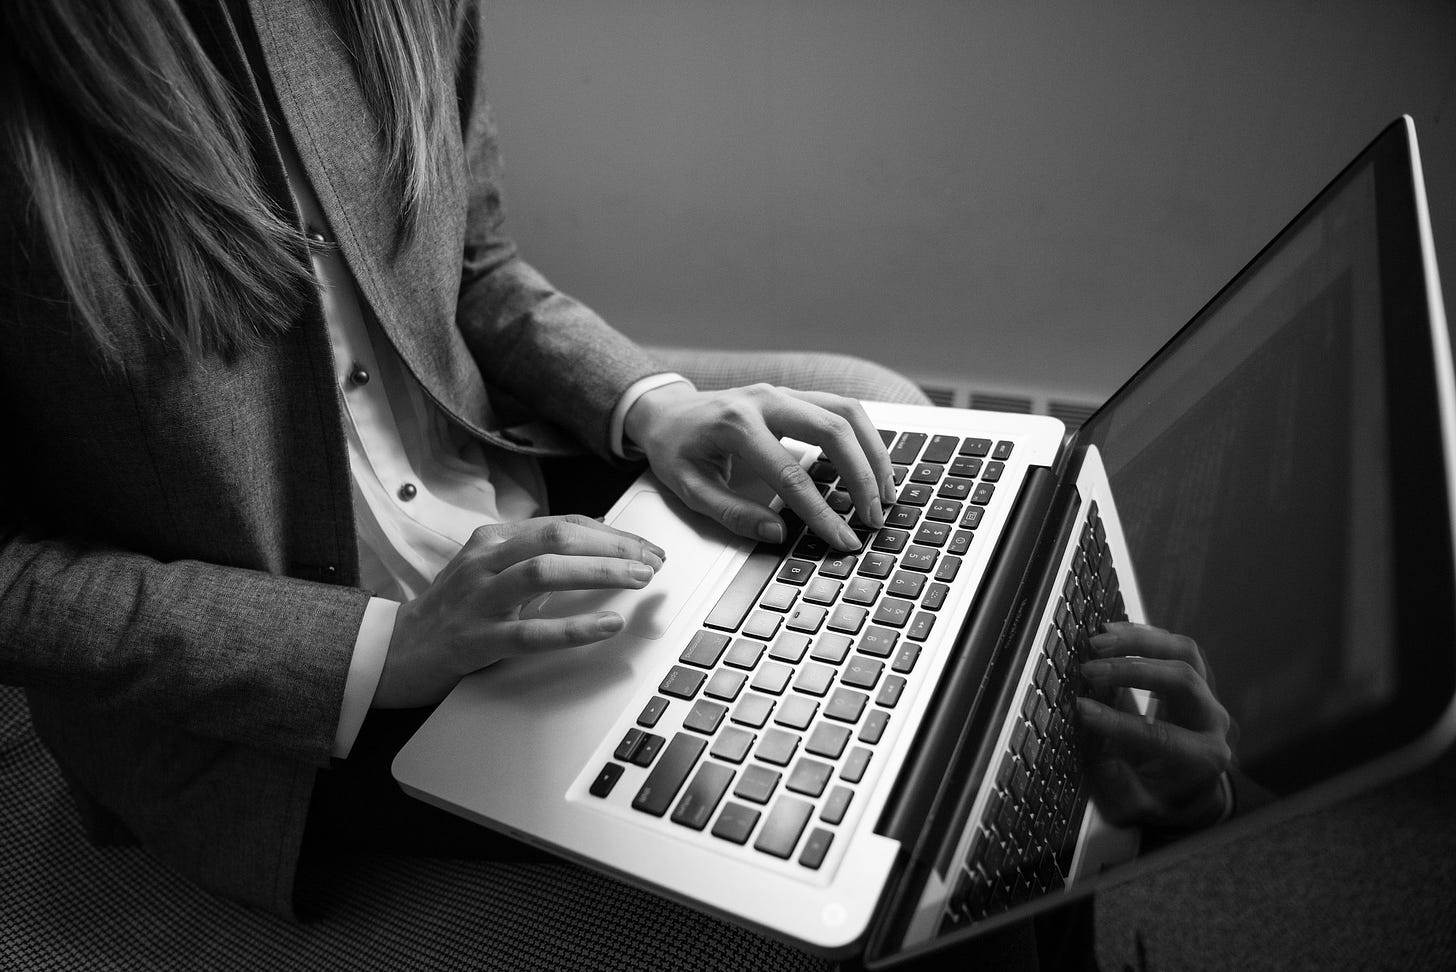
(694, 544)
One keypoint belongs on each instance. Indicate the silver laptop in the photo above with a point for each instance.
(879, 753)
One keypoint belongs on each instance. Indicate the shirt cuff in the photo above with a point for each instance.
(365, 667)
(629, 398)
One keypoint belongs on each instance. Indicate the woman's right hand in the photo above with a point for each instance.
(470, 616)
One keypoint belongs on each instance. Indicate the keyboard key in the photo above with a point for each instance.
(848, 619)
(899, 472)
(705, 716)
(652, 711)
(907, 449)
(810, 776)
(927, 472)
(757, 783)
(890, 541)
(948, 569)
(789, 647)
(966, 467)
(905, 658)
(878, 641)
(993, 472)
(725, 685)
(777, 747)
(836, 805)
(682, 683)
(744, 653)
(823, 471)
(960, 542)
(743, 590)
(822, 590)
(795, 571)
(886, 436)
(753, 710)
(863, 590)
(772, 678)
(779, 597)
(763, 625)
(846, 706)
(972, 519)
(877, 565)
(816, 847)
(976, 447)
(827, 740)
(840, 502)
(704, 649)
(935, 596)
(920, 558)
(934, 534)
(855, 765)
(890, 692)
(839, 566)
(902, 517)
(942, 510)
(941, 448)
(982, 494)
(782, 829)
(806, 618)
(796, 712)
(629, 744)
(907, 583)
(644, 754)
(955, 488)
(919, 629)
(814, 679)
(916, 494)
(831, 648)
(606, 779)
(862, 672)
(733, 744)
(1002, 450)
(892, 612)
(668, 775)
(736, 822)
(702, 795)
(874, 726)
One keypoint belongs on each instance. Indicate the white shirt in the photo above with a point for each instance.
(422, 485)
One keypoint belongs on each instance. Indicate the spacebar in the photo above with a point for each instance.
(741, 594)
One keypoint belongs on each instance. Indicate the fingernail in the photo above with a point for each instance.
(772, 532)
(887, 490)
(1094, 668)
(1103, 642)
(641, 573)
(847, 538)
(611, 623)
(661, 553)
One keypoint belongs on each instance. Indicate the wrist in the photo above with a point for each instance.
(650, 408)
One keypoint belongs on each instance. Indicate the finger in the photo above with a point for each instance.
(543, 573)
(579, 536)
(1128, 638)
(711, 497)
(778, 467)
(552, 634)
(1185, 694)
(1135, 736)
(866, 434)
(790, 414)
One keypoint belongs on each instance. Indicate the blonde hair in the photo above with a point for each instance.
(120, 125)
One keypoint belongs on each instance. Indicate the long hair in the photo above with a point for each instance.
(122, 127)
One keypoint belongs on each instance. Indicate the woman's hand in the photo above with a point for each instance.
(470, 616)
(693, 438)
(1166, 771)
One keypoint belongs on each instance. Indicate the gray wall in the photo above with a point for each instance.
(1016, 195)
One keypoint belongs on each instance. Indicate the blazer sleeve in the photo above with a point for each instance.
(543, 348)
(224, 652)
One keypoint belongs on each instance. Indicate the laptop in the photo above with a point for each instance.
(881, 753)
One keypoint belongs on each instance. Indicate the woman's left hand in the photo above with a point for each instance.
(692, 440)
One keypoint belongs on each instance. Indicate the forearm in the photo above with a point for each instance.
(216, 651)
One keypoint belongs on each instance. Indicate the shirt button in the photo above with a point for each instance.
(358, 376)
(407, 492)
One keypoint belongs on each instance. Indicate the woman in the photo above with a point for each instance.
(277, 385)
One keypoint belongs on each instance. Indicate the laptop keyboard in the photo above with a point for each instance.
(796, 672)
(1028, 832)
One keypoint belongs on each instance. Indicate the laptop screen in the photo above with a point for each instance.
(1279, 469)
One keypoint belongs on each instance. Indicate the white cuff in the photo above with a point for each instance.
(365, 667)
(624, 405)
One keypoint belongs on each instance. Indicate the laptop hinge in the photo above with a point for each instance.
(955, 741)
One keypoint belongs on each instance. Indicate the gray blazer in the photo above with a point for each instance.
(178, 559)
